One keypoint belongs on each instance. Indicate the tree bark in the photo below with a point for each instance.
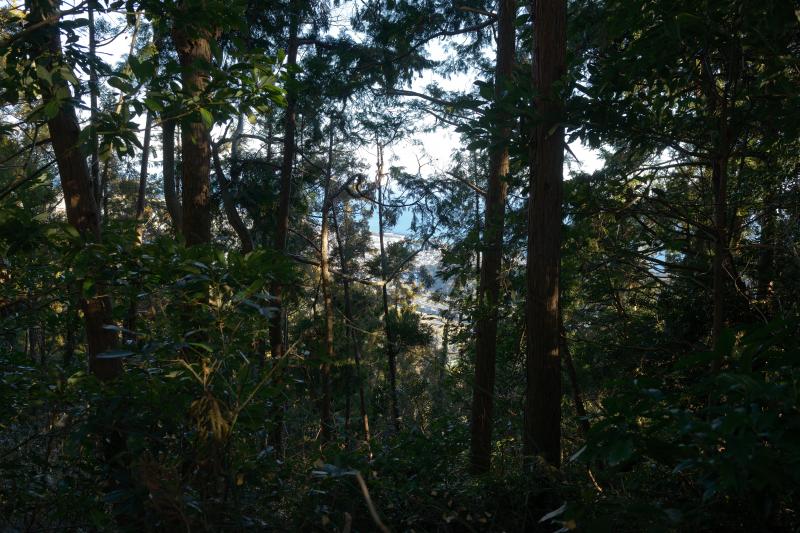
(766, 257)
(489, 286)
(722, 142)
(168, 171)
(577, 397)
(441, 368)
(228, 203)
(351, 331)
(133, 306)
(326, 401)
(719, 178)
(542, 427)
(79, 200)
(391, 353)
(276, 334)
(194, 54)
(141, 196)
(93, 90)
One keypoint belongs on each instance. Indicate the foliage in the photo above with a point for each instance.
(670, 452)
(678, 269)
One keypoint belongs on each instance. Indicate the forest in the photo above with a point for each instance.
(401, 265)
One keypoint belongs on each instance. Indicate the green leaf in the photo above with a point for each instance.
(71, 232)
(143, 70)
(68, 75)
(202, 346)
(620, 451)
(44, 74)
(51, 109)
(153, 105)
(114, 354)
(485, 90)
(208, 118)
(88, 285)
(120, 84)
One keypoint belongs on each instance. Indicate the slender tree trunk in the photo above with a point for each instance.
(542, 428)
(766, 257)
(168, 170)
(351, 330)
(391, 353)
(228, 203)
(723, 267)
(577, 398)
(81, 208)
(269, 143)
(194, 52)
(138, 215)
(477, 210)
(719, 178)
(276, 334)
(326, 415)
(69, 335)
(441, 367)
(489, 286)
(93, 90)
(141, 196)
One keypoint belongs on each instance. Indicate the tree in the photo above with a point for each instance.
(542, 431)
(81, 207)
(192, 43)
(276, 333)
(490, 277)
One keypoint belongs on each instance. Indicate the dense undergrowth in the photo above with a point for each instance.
(180, 441)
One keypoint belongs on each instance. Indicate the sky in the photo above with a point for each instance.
(435, 149)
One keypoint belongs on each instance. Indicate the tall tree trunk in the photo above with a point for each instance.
(766, 256)
(168, 172)
(477, 220)
(79, 200)
(542, 428)
(351, 330)
(276, 334)
(194, 53)
(326, 401)
(719, 178)
(391, 353)
(489, 286)
(138, 215)
(441, 367)
(141, 196)
(722, 141)
(93, 90)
